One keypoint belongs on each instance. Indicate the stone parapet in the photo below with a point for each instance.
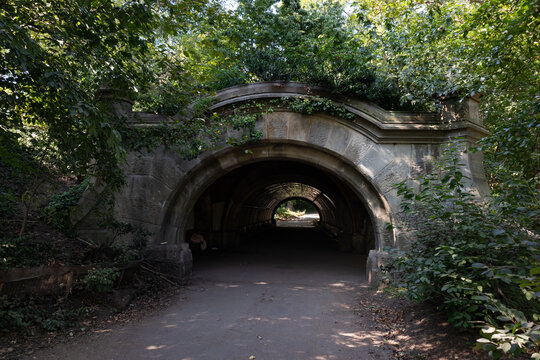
(456, 109)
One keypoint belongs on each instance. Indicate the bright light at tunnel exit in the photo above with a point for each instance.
(296, 212)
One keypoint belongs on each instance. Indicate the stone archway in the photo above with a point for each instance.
(189, 190)
(176, 210)
(365, 156)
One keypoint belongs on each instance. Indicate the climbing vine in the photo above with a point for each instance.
(200, 132)
(58, 211)
(204, 130)
(314, 104)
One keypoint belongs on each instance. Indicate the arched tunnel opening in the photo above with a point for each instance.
(296, 212)
(237, 211)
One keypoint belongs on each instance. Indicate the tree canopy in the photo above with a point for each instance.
(55, 56)
(400, 54)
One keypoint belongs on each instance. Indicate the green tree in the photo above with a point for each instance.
(428, 49)
(272, 40)
(54, 57)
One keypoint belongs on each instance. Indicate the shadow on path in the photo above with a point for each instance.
(284, 295)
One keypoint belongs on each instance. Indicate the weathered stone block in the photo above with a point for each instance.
(339, 139)
(277, 126)
(358, 146)
(391, 175)
(228, 161)
(375, 260)
(138, 209)
(377, 158)
(299, 126)
(319, 131)
(147, 187)
(397, 170)
(165, 169)
(137, 164)
(173, 260)
(260, 125)
(455, 109)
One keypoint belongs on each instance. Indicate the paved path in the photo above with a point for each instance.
(303, 221)
(286, 303)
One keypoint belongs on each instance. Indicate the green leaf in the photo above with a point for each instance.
(505, 347)
(483, 340)
(479, 265)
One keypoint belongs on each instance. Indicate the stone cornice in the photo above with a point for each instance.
(380, 125)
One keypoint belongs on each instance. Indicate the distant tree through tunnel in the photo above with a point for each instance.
(296, 212)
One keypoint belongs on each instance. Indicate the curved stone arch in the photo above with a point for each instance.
(374, 122)
(191, 187)
(241, 195)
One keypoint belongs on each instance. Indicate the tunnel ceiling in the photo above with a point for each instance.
(272, 195)
(254, 191)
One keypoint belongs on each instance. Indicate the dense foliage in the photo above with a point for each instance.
(100, 280)
(400, 54)
(58, 211)
(476, 262)
(466, 47)
(54, 57)
(25, 315)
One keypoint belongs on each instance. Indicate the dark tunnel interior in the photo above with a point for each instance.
(239, 207)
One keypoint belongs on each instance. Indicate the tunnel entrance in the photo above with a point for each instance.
(239, 208)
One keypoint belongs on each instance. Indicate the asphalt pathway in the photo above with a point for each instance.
(279, 298)
(303, 221)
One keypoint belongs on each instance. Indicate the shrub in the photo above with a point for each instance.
(132, 249)
(100, 280)
(7, 204)
(18, 252)
(17, 315)
(477, 265)
(23, 314)
(58, 210)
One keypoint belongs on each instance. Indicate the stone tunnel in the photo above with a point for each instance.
(245, 199)
(346, 168)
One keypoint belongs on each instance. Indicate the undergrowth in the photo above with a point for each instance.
(480, 267)
(26, 315)
(60, 207)
(19, 252)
